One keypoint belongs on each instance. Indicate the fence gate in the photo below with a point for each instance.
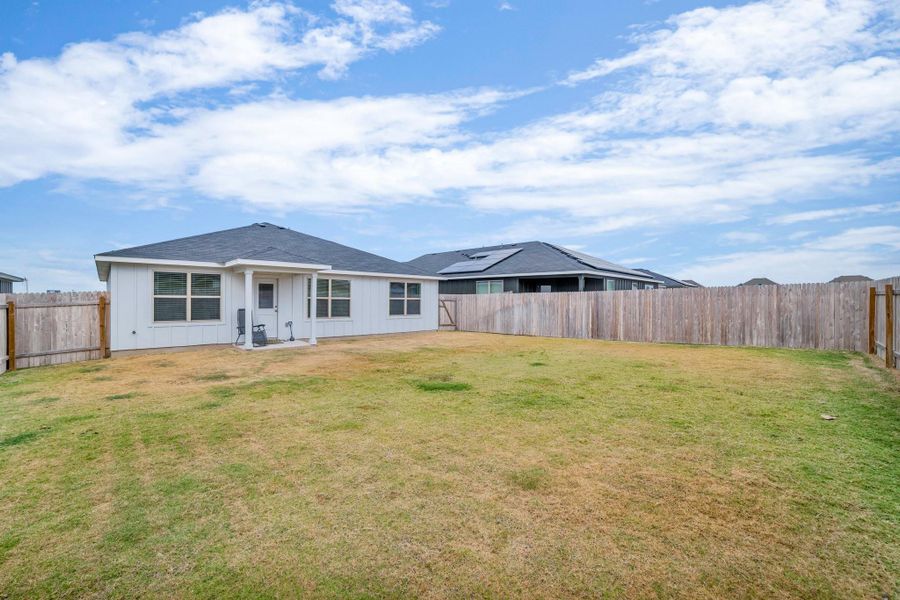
(447, 313)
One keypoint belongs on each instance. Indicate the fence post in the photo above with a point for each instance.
(871, 346)
(101, 307)
(889, 326)
(11, 334)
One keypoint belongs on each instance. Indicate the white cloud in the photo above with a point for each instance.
(854, 251)
(80, 114)
(712, 115)
(777, 36)
(835, 213)
(860, 238)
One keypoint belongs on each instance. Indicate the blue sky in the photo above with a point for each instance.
(700, 139)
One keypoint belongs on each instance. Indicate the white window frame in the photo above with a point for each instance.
(187, 298)
(406, 298)
(610, 284)
(635, 285)
(328, 297)
(490, 283)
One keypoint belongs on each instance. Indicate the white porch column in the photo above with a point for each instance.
(248, 310)
(313, 288)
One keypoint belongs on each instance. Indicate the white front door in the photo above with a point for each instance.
(266, 309)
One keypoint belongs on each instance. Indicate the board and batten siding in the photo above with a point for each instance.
(132, 326)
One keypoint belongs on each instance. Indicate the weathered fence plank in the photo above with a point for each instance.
(10, 335)
(3, 350)
(823, 315)
(889, 325)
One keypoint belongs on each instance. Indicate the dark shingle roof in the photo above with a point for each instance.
(533, 257)
(759, 281)
(850, 279)
(264, 241)
(668, 281)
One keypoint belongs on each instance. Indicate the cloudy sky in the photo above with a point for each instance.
(715, 141)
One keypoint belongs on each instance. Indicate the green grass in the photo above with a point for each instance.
(529, 479)
(443, 386)
(452, 465)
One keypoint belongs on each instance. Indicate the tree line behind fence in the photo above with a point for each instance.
(832, 316)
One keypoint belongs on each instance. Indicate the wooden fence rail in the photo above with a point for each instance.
(49, 329)
(815, 315)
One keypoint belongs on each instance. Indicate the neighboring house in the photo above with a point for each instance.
(692, 282)
(7, 281)
(850, 279)
(527, 267)
(187, 291)
(758, 281)
(668, 282)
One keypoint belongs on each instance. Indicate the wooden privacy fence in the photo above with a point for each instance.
(49, 329)
(810, 315)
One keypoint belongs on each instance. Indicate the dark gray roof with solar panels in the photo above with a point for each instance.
(526, 258)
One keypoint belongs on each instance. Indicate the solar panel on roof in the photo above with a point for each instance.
(597, 263)
(479, 261)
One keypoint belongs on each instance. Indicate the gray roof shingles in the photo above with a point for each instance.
(759, 281)
(534, 257)
(669, 281)
(264, 241)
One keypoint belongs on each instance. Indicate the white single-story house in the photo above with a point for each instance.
(187, 291)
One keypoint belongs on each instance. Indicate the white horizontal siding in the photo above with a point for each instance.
(132, 325)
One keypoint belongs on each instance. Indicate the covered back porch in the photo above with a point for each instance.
(280, 297)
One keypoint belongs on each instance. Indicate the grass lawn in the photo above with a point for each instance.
(452, 465)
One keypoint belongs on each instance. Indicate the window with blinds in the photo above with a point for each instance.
(186, 297)
(332, 298)
(405, 299)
